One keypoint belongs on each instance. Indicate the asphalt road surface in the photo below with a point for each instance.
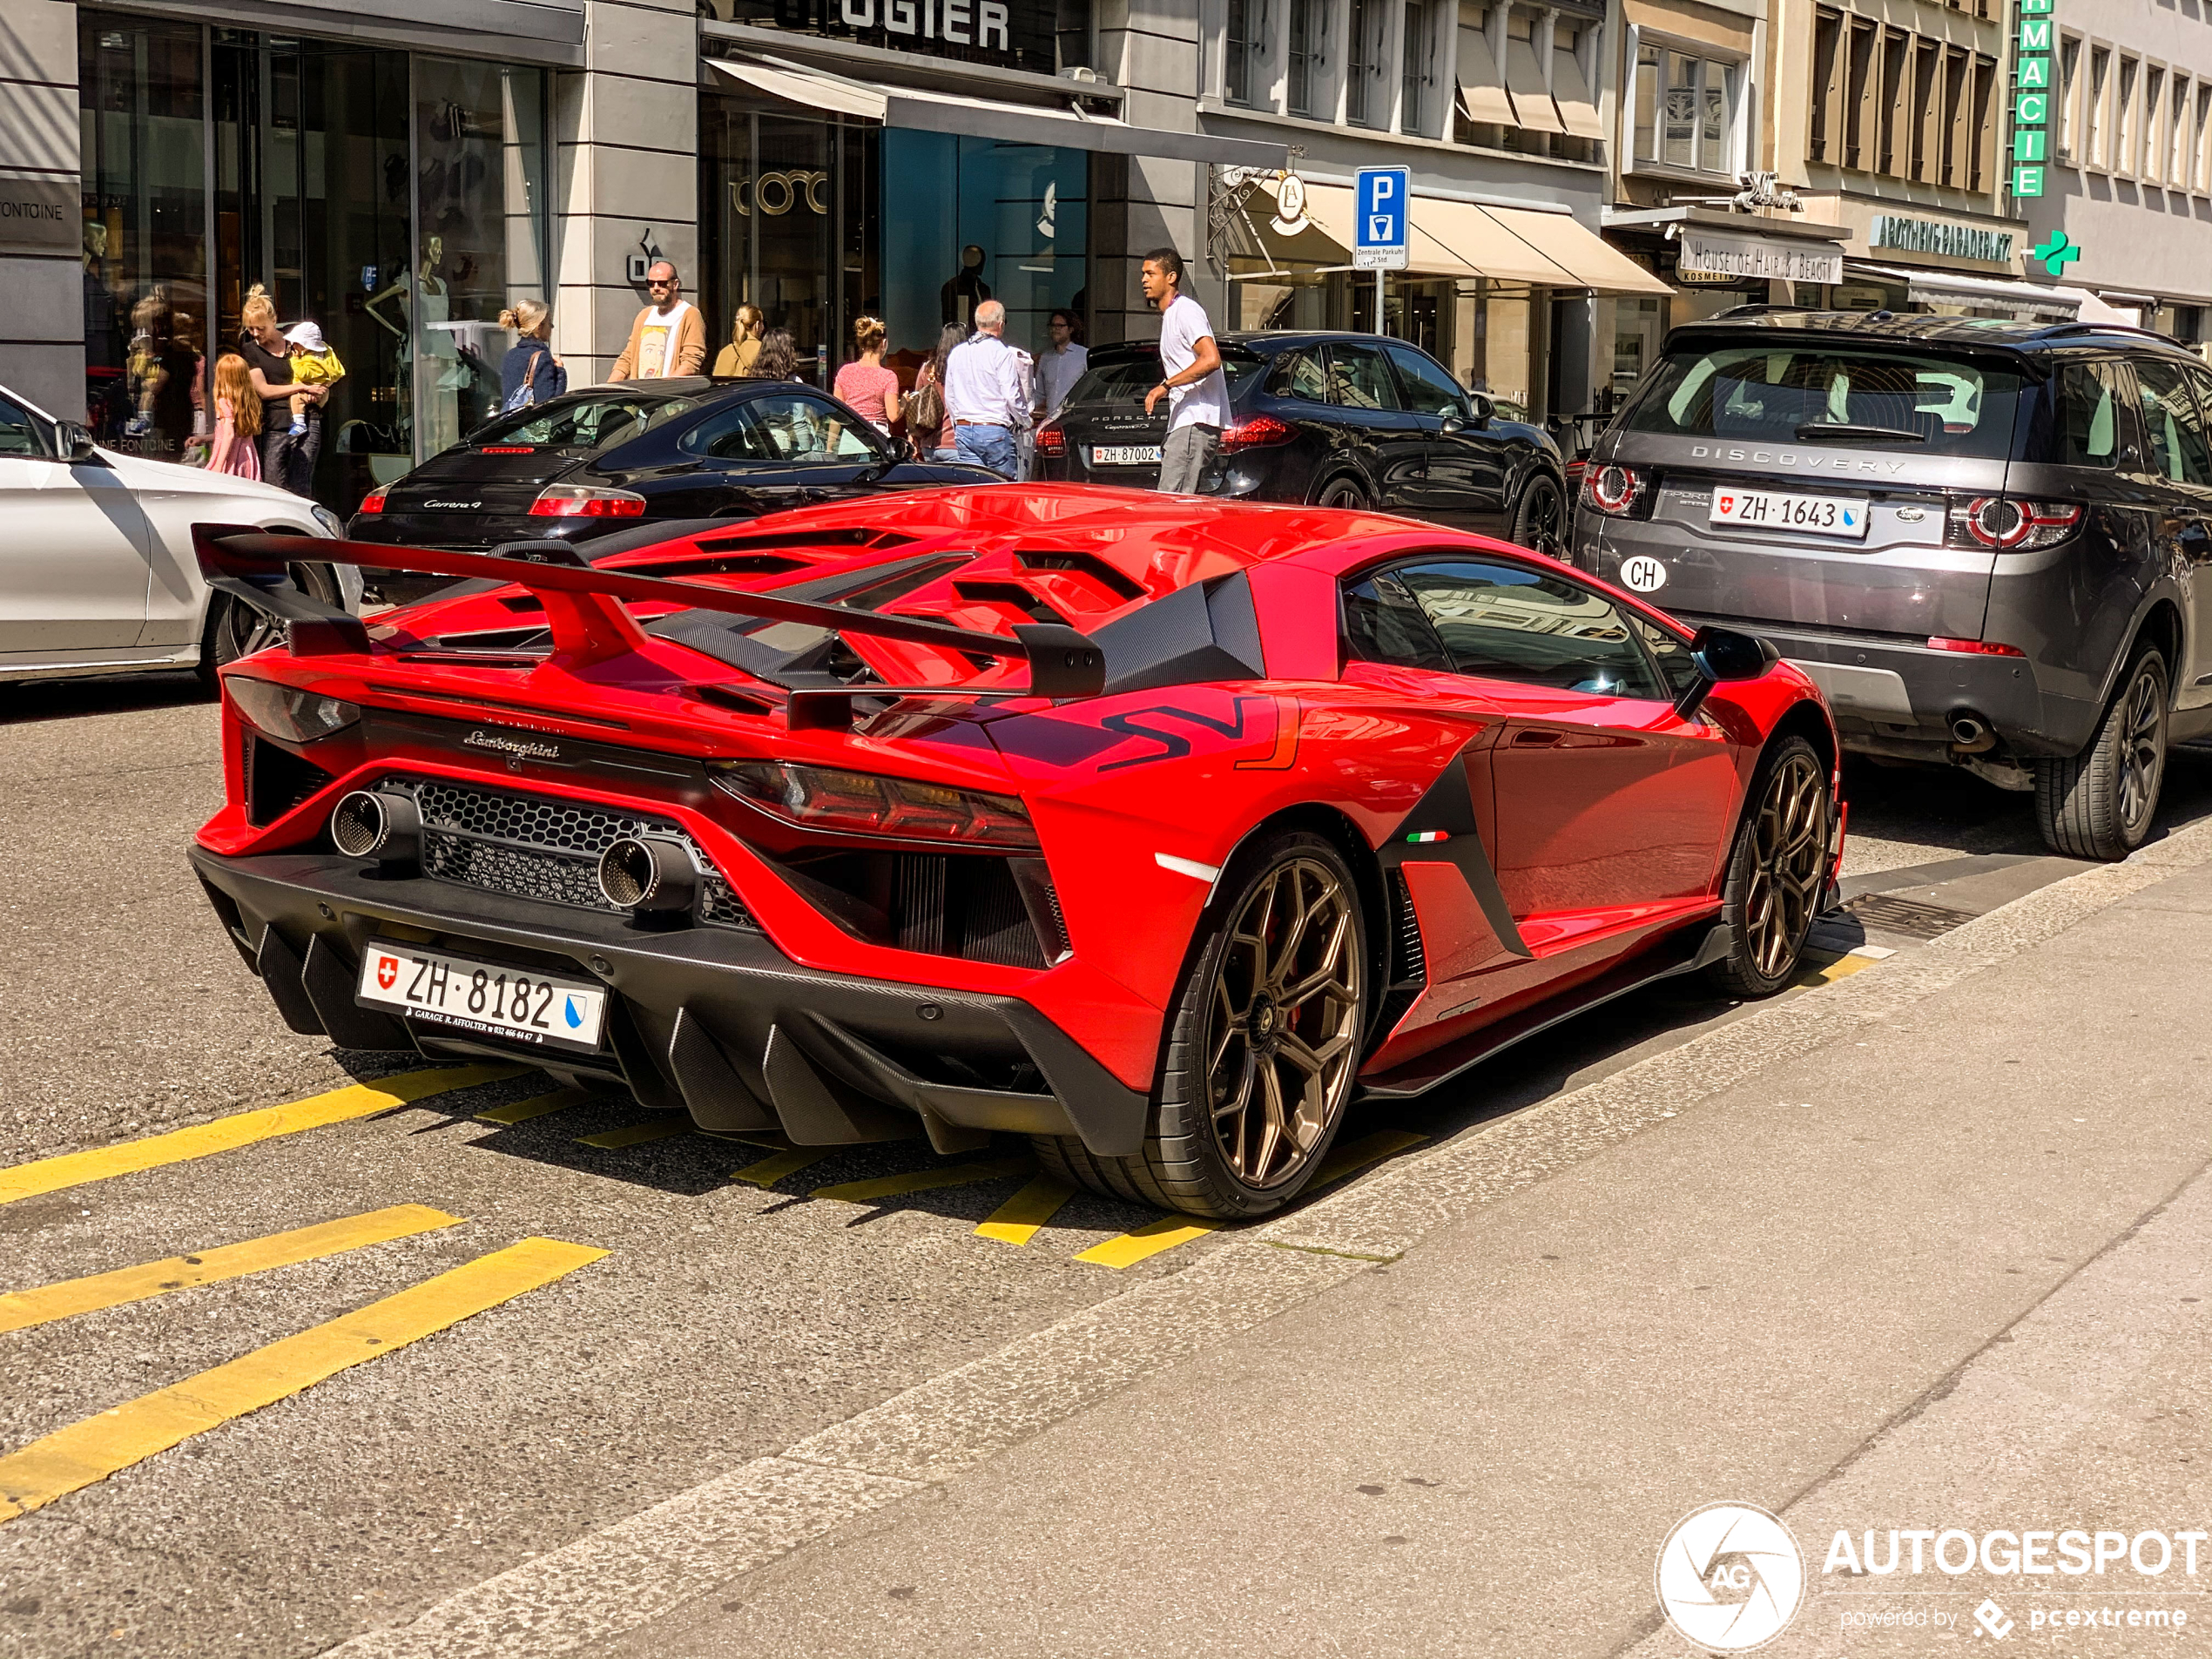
(416, 1329)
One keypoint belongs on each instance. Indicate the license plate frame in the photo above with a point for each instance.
(1126, 455)
(1841, 518)
(574, 1011)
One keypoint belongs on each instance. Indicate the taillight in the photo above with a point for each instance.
(863, 803)
(1613, 489)
(1052, 439)
(2008, 522)
(508, 449)
(1260, 432)
(582, 501)
(372, 502)
(1975, 647)
(285, 711)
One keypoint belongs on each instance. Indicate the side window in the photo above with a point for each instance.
(793, 427)
(1429, 388)
(1359, 379)
(1382, 624)
(1677, 666)
(1506, 623)
(2173, 425)
(727, 435)
(19, 431)
(2089, 427)
(1299, 374)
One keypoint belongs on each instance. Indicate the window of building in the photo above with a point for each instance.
(2099, 116)
(1364, 66)
(2145, 155)
(1685, 109)
(1238, 50)
(1895, 152)
(2126, 118)
(1309, 37)
(1924, 114)
(2200, 158)
(1827, 81)
(1417, 67)
(2069, 116)
(2177, 135)
(1649, 62)
(1860, 128)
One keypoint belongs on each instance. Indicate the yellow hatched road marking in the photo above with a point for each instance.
(23, 1309)
(769, 1171)
(635, 1135)
(521, 1112)
(1351, 1158)
(1844, 967)
(1148, 1241)
(891, 1186)
(241, 1129)
(1016, 1221)
(91, 1450)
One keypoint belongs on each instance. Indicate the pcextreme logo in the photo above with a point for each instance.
(1731, 1577)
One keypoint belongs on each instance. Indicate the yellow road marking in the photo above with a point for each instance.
(891, 1186)
(1016, 1221)
(1351, 1158)
(91, 1450)
(521, 1112)
(241, 1129)
(637, 1133)
(769, 1171)
(1148, 1241)
(1844, 967)
(23, 1309)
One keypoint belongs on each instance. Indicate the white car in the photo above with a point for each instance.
(97, 573)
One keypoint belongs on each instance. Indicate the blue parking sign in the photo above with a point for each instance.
(1381, 198)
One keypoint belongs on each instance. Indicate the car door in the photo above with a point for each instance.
(834, 454)
(2192, 407)
(73, 562)
(734, 468)
(1365, 392)
(1611, 811)
(1463, 480)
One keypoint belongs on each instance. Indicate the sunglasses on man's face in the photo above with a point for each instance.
(660, 282)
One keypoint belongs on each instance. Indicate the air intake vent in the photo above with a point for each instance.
(277, 780)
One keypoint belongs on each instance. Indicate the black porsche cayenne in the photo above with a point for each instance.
(1343, 420)
(607, 458)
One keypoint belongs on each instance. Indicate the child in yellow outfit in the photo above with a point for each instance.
(312, 364)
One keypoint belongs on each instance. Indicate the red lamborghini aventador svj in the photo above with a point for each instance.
(1157, 831)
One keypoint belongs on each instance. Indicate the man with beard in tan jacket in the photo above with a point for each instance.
(669, 337)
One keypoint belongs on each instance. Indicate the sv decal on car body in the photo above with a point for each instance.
(1174, 745)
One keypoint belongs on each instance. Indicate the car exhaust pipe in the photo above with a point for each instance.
(382, 825)
(1970, 734)
(652, 877)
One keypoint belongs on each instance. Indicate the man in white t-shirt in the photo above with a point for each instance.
(1197, 391)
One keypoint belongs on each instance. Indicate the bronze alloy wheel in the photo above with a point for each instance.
(1282, 1038)
(2142, 755)
(1789, 840)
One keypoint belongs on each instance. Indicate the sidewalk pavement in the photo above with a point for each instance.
(1950, 1269)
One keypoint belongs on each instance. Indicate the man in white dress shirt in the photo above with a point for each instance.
(986, 389)
(1191, 381)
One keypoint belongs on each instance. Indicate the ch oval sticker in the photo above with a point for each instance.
(1643, 574)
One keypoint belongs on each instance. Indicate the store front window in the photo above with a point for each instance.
(219, 159)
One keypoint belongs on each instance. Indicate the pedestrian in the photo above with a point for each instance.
(1197, 391)
(238, 419)
(929, 422)
(735, 361)
(1060, 366)
(312, 364)
(987, 389)
(668, 337)
(865, 385)
(288, 460)
(529, 373)
(778, 359)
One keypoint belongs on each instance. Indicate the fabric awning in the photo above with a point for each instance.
(1532, 104)
(1571, 93)
(1455, 239)
(2055, 303)
(1066, 127)
(1482, 91)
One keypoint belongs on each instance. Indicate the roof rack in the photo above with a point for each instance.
(2079, 327)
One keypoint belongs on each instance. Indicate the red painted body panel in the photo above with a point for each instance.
(1608, 820)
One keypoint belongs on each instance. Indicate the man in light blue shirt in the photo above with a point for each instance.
(986, 389)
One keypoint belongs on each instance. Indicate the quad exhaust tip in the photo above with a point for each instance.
(376, 824)
(651, 876)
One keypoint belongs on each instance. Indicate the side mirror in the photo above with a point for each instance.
(1484, 405)
(77, 448)
(1723, 654)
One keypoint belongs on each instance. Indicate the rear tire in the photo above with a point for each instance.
(2100, 803)
(1540, 521)
(1263, 1044)
(1342, 492)
(1776, 872)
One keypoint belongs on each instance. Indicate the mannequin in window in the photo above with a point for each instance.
(436, 306)
(960, 297)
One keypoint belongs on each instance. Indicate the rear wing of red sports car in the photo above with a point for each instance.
(584, 613)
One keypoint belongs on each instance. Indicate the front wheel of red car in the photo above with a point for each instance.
(1776, 872)
(1263, 1045)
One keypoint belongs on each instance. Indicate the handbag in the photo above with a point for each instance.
(526, 394)
(924, 413)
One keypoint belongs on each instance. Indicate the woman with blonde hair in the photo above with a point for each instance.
(529, 373)
(865, 385)
(238, 419)
(735, 360)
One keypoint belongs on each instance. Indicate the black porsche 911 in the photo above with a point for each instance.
(1342, 420)
(608, 458)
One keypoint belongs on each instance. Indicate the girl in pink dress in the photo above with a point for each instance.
(238, 419)
(869, 389)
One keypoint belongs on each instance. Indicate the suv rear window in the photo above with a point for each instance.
(1126, 379)
(1927, 403)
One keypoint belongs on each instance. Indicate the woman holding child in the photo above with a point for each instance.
(293, 375)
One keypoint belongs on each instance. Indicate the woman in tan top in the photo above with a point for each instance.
(735, 360)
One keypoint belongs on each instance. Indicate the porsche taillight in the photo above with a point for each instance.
(866, 803)
(372, 502)
(1259, 432)
(584, 501)
(1052, 439)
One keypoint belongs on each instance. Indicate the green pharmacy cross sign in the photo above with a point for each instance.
(2031, 98)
